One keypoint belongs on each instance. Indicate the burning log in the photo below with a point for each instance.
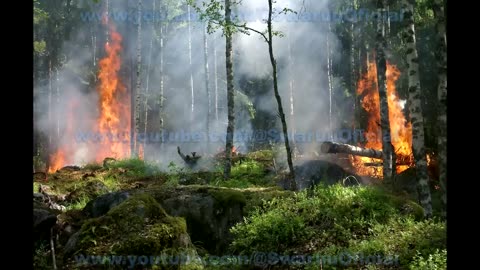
(190, 160)
(333, 148)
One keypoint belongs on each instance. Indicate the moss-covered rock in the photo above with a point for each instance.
(313, 172)
(102, 204)
(138, 226)
(211, 211)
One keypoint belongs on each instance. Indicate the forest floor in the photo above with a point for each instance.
(128, 214)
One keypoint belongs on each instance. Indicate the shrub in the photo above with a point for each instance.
(334, 219)
(434, 261)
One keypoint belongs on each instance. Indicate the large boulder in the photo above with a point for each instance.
(210, 212)
(406, 181)
(137, 227)
(313, 172)
(102, 204)
(43, 220)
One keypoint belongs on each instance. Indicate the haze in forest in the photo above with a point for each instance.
(301, 56)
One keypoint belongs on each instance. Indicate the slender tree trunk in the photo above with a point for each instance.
(50, 114)
(147, 80)
(293, 185)
(162, 95)
(215, 80)
(230, 91)
(190, 64)
(137, 87)
(441, 55)
(353, 77)
(291, 85)
(57, 104)
(130, 66)
(387, 22)
(94, 46)
(207, 81)
(387, 148)
(107, 35)
(415, 110)
(330, 87)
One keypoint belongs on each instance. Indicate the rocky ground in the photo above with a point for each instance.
(129, 208)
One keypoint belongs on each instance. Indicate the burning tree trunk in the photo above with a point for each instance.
(207, 79)
(333, 148)
(293, 185)
(387, 148)
(230, 91)
(137, 87)
(441, 55)
(190, 62)
(415, 109)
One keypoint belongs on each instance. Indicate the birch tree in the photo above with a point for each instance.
(207, 78)
(415, 109)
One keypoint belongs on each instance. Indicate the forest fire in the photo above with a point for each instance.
(114, 104)
(401, 130)
(66, 152)
(113, 121)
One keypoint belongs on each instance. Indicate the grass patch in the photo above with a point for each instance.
(135, 167)
(79, 204)
(334, 219)
(35, 186)
(93, 166)
(247, 174)
(112, 183)
(434, 261)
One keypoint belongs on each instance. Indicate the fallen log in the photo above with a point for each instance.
(334, 148)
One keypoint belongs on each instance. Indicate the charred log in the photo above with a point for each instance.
(333, 148)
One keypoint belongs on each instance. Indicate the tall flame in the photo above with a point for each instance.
(66, 152)
(401, 130)
(114, 119)
(113, 122)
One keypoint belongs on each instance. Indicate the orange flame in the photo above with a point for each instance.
(114, 119)
(65, 153)
(401, 130)
(113, 122)
(57, 161)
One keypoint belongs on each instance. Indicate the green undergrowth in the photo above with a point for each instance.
(247, 173)
(337, 220)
